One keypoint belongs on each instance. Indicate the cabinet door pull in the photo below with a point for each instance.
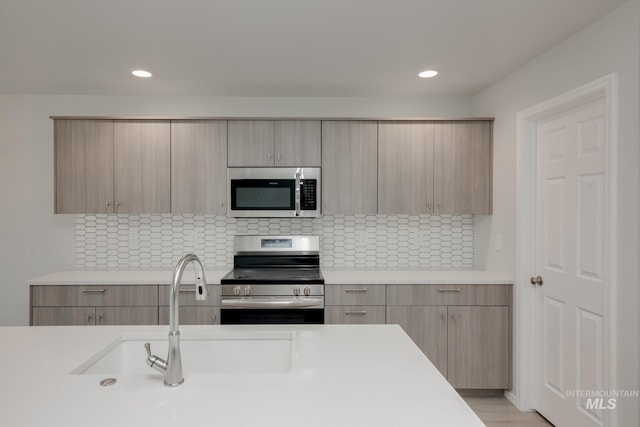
(89, 318)
(453, 317)
(94, 291)
(449, 290)
(356, 290)
(106, 209)
(355, 312)
(188, 290)
(443, 317)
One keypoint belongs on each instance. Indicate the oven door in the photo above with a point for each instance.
(269, 310)
(258, 316)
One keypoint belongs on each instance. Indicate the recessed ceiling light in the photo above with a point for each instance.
(141, 73)
(428, 73)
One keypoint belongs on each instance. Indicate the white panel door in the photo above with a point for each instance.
(571, 248)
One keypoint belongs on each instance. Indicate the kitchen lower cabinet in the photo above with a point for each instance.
(94, 305)
(355, 304)
(192, 315)
(465, 330)
(68, 316)
(354, 315)
(191, 312)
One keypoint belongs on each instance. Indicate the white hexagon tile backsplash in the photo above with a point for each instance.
(435, 242)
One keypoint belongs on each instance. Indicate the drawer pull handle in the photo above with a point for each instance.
(188, 290)
(449, 290)
(355, 312)
(94, 291)
(356, 290)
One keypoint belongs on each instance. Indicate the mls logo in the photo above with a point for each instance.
(595, 403)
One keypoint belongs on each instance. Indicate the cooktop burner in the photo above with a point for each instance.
(273, 275)
(275, 260)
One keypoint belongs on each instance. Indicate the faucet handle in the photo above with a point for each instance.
(155, 362)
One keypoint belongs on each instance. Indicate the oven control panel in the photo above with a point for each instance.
(273, 290)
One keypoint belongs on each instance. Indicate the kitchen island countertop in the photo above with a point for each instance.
(369, 375)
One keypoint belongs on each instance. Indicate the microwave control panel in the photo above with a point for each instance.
(308, 194)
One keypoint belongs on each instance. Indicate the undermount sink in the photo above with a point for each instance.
(205, 353)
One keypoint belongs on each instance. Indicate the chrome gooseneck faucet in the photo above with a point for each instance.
(172, 367)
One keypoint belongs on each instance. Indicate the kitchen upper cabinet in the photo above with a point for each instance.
(83, 151)
(106, 166)
(251, 143)
(434, 167)
(142, 166)
(297, 143)
(198, 166)
(462, 167)
(267, 143)
(349, 167)
(405, 167)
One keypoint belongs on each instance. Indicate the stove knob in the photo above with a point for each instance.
(237, 290)
(307, 290)
(247, 290)
(296, 291)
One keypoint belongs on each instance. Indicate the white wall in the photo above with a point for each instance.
(611, 44)
(33, 241)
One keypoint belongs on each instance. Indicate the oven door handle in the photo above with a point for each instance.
(272, 303)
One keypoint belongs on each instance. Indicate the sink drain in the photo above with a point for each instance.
(108, 381)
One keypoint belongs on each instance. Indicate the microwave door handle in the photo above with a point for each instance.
(297, 196)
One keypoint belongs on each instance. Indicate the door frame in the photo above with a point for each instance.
(524, 293)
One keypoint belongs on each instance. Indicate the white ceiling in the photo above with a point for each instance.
(277, 47)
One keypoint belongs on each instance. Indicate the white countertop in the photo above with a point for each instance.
(369, 375)
(332, 276)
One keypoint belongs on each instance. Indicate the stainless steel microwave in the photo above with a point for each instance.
(273, 192)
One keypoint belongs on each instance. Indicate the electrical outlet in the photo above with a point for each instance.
(134, 238)
(498, 242)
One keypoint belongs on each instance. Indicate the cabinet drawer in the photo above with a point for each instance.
(127, 315)
(66, 316)
(448, 294)
(193, 315)
(187, 296)
(99, 296)
(355, 295)
(358, 314)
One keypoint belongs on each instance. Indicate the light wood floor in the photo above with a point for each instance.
(499, 412)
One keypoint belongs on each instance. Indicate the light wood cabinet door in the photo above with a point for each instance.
(354, 314)
(427, 327)
(462, 167)
(355, 294)
(478, 347)
(198, 166)
(83, 151)
(63, 316)
(102, 296)
(251, 143)
(297, 143)
(192, 315)
(142, 166)
(405, 167)
(127, 315)
(349, 167)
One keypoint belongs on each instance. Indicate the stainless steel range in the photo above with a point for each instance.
(275, 279)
